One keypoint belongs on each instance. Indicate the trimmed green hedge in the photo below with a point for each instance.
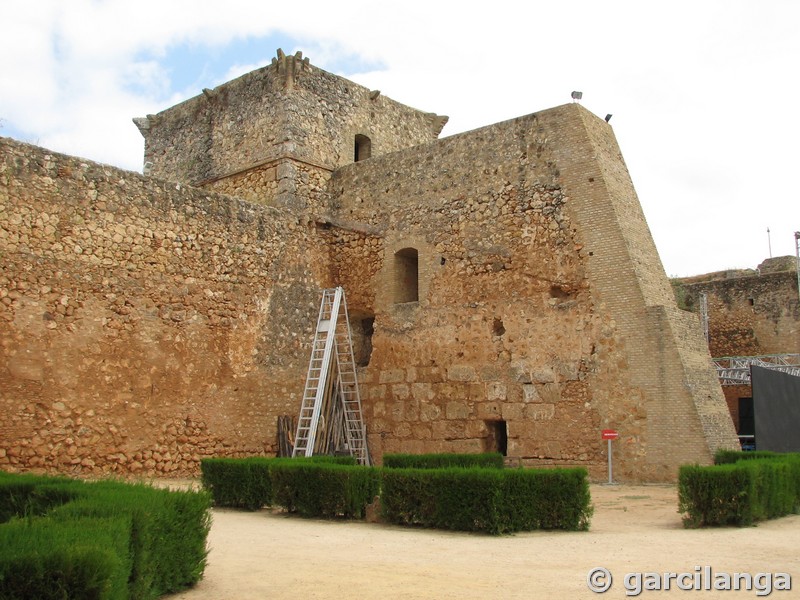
(729, 457)
(246, 483)
(106, 540)
(82, 558)
(740, 494)
(31, 495)
(466, 496)
(238, 482)
(323, 489)
(492, 460)
(547, 499)
(489, 500)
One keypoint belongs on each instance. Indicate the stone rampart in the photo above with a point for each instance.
(504, 289)
(667, 361)
(144, 324)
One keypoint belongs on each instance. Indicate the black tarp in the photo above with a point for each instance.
(776, 403)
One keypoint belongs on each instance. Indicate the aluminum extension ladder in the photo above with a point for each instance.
(331, 419)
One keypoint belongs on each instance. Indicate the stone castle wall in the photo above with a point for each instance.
(665, 352)
(144, 324)
(750, 313)
(522, 251)
(753, 315)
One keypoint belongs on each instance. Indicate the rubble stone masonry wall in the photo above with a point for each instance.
(509, 324)
(144, 324)
(750, 316)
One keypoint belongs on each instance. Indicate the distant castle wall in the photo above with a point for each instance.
(751, 315)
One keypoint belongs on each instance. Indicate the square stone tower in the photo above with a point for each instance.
(274, 135)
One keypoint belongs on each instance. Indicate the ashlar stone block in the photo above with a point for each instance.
(540, 412)
(530, 393)
(393, 376)
(512, 411)
(457, 410)
(462, 373)
(487, 410)
(495, 391)
(429, 412)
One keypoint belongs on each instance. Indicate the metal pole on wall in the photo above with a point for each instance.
(797, 259)
(769, 243)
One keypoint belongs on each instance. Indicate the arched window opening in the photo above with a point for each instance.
(406, 276)
(363, 148)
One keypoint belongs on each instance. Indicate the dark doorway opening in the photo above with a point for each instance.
(747, 419)
(367, 328)
(497, 437)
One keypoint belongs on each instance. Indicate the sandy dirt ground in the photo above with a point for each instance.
(269, 554)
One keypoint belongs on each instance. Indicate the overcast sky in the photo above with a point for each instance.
(702, 92)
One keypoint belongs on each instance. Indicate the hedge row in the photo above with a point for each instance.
(729, 457)
(32, 495)
(324, 490)
(238, 482)
(51, 559)
(491, 460)
(246, 483)
(490, 500)
(741, 493)
(106, 540)
(468, 499)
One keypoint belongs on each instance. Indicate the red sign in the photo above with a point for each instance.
(610, 434)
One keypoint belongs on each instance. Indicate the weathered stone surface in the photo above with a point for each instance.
(160, 329)
(749, 314)
(501, 281)
(529, 393)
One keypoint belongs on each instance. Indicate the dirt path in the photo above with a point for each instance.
(635, 528)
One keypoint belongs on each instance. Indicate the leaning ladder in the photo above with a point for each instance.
(332, 386)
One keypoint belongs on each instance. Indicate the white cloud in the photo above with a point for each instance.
(698, 90)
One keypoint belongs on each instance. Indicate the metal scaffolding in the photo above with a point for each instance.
(735, 370)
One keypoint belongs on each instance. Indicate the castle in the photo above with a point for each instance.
(504, 290)
(749, 313)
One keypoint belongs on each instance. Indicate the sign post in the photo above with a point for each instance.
(610, 434)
